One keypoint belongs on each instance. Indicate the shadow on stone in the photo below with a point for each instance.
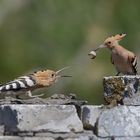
(8, 118)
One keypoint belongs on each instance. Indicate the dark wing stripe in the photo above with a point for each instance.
(134, 65)
(33, 80)
(22, 85)
(134, 61)
(5, 88)
(25, 83)
(18, 87)
(28, 81)
(13, 85)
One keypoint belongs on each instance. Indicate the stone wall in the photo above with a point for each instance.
(58, 122)
(66, 118)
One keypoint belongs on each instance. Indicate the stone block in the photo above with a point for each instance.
(69, 136)
(10, 138)
(127, 138)
(87, 138)
(38, 138)
(37, 118)
(89, 115)
(51, 138)
(122, 89)
(120, 121)
(82, 138)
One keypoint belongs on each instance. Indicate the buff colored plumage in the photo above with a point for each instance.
(124, 60)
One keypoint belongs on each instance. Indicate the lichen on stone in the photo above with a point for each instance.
(118, 89)
(114, 89)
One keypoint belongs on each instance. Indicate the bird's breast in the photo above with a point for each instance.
(121, 63)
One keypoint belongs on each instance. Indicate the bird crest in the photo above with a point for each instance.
(117, 37)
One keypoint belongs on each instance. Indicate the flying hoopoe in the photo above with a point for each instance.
(124, 61)
(36, 80)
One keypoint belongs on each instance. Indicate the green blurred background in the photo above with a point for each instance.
(52, 34)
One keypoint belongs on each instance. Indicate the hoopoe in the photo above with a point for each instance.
(36, 80)
(124, 61)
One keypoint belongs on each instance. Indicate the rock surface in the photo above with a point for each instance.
(85, 135)
(134, 101)
(127, 138)
(120, 88)
(10, 138)
(51, 138)
(119, 122)
(89, 115)
(56, 99)
(59, 138)
(34, 118)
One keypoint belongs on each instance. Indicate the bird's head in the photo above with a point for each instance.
(49, 76)
(111, 42)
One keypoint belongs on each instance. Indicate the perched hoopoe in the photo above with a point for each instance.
(124, 61)
(26, 84)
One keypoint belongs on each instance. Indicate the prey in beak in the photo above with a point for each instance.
(92, 53)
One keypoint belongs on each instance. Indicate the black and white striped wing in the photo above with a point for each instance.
(135, 65)
(21, 83)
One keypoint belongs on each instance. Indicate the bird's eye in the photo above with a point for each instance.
(52, 74)
(109, 42)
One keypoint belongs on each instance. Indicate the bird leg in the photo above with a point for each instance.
(17, 97)
(29, 93)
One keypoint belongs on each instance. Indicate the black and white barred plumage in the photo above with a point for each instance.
(26, 84)
(21, 83)
(135, 65)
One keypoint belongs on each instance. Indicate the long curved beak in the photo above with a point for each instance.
(100, 47)
(65, 76)
(57, 72)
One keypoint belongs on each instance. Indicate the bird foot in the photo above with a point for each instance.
(29, 93)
